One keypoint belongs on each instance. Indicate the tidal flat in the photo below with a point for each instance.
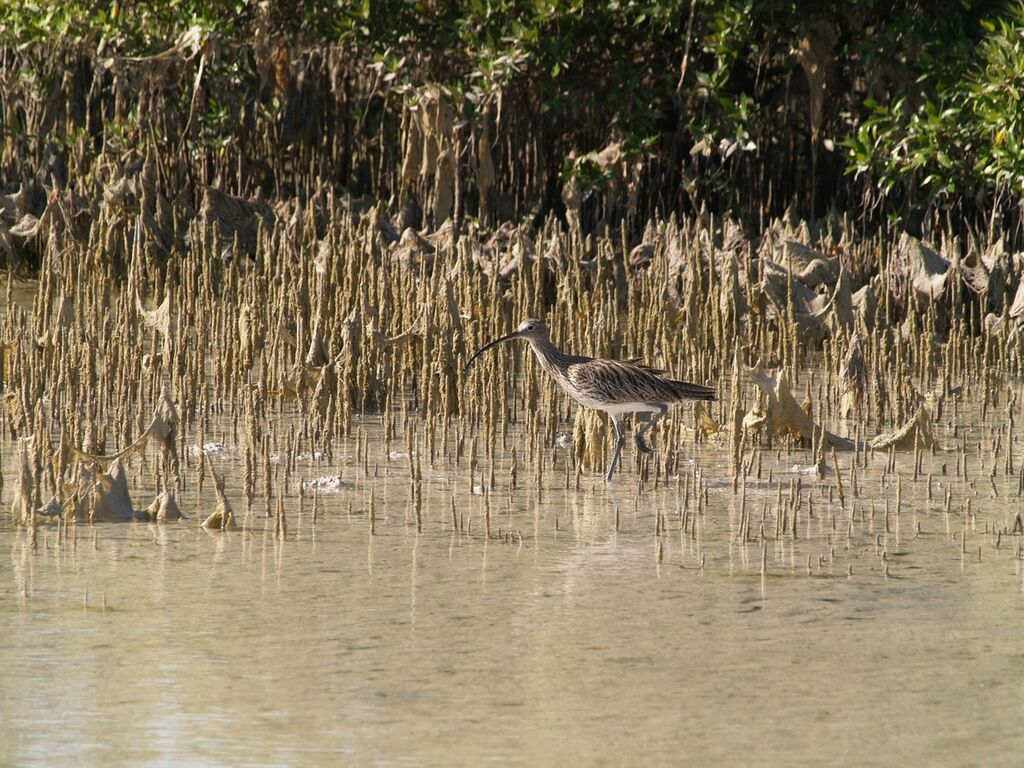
(260, 514)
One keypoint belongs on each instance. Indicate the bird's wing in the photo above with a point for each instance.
(613, 381)
(624, 381)
(639, 363)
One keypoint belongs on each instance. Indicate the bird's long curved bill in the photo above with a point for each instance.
(488, 345)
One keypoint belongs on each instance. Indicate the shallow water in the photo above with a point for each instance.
(567, 640)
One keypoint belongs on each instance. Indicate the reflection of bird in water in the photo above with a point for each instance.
(614, 386)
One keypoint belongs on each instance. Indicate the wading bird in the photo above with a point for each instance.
(617, 387)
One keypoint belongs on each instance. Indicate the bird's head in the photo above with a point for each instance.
(530, 329)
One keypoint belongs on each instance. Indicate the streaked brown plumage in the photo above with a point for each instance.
(614, 386)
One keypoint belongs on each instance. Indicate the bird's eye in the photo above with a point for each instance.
(529, 327)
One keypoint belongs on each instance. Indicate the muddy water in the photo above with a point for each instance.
(570, 639)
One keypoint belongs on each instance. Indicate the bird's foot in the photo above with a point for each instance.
(642, 445)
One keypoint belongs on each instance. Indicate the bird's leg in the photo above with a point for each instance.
(620, 438)
(652, 419)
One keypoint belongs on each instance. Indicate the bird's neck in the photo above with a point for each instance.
(548, 355)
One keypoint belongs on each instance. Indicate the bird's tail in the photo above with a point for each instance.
(684, 390)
